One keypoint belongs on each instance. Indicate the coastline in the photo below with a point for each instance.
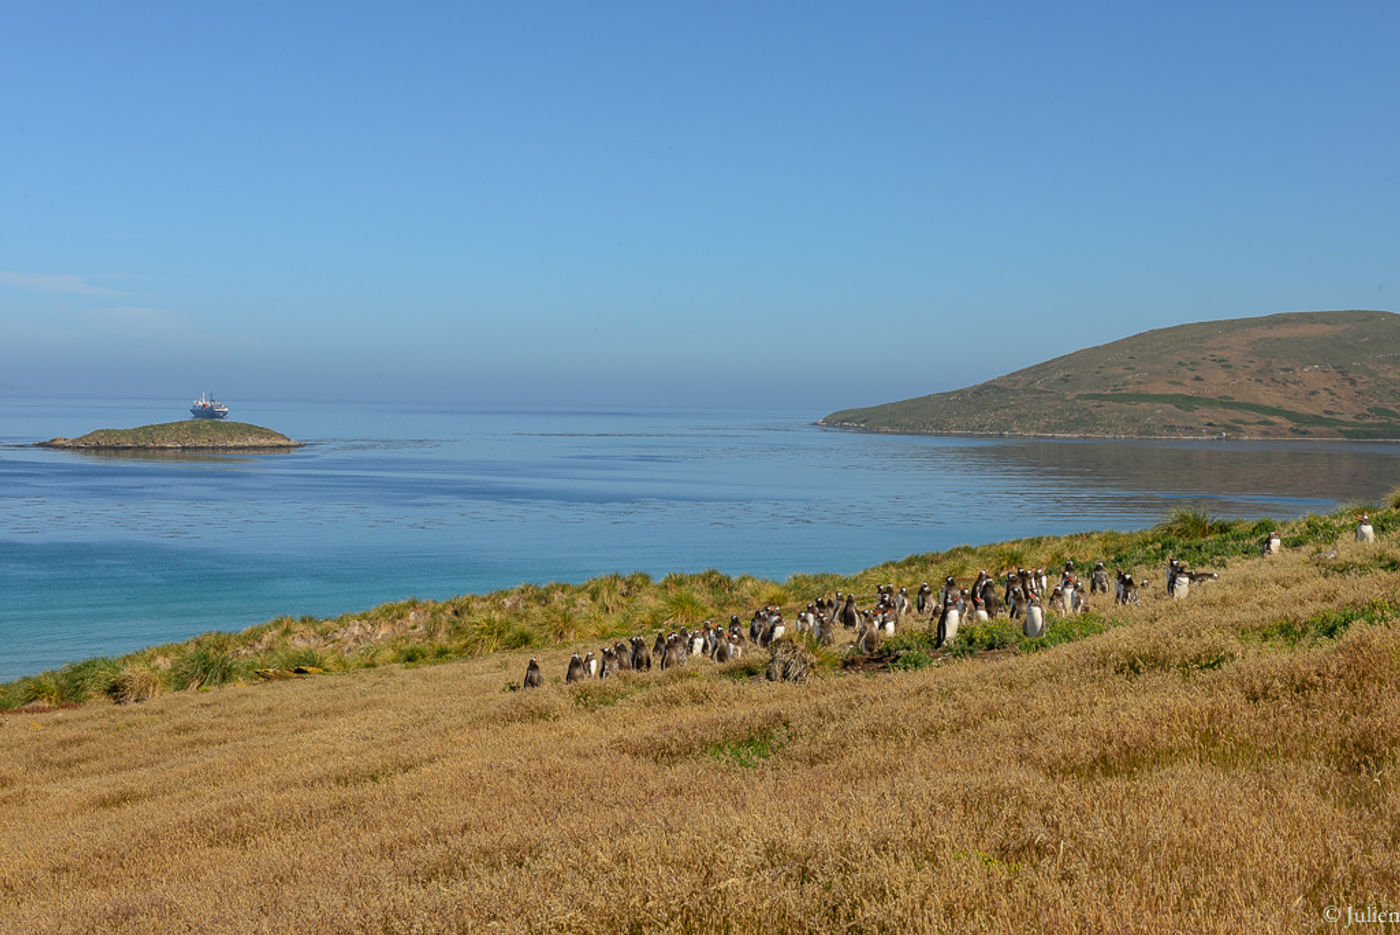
(1072, 436)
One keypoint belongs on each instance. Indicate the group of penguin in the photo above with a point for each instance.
(1019, 596)
(825, 617)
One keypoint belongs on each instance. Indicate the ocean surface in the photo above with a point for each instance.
(103, 554)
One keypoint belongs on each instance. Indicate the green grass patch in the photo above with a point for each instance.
(1324, 625)
(749, 753)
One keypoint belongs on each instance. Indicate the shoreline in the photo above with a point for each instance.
(526, 616)
(1071, 436)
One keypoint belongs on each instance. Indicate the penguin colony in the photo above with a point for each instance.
(1024, 595)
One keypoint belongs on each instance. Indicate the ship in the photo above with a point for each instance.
(208, 408)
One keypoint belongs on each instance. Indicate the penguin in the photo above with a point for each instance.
(623, 648)
(756, 624)
(736, 645)
(609, 666)
(949, 590)
(948, 623)
(697, 641)
(1098, 579)
(722, 648)
(1273, 545)
(1365, 532)
(641, 656)
(868, 637)
(1178, 581)
(850, 616)
(776, 629)
(576, 672)
(1016, 604)
(1034, 625)
(990, 601)
(533, 679)
(921, 601)
(901, 602)
(658, 646)
(1128, 590)
(590, 665)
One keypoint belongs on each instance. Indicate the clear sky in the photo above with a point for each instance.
(801, 204)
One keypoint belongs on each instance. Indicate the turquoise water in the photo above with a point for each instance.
(102, 554)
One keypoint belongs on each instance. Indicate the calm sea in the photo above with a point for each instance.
(102, 554)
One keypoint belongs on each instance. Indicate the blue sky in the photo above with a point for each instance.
(758, 204)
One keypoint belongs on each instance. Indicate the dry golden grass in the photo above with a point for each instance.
(1176, 774)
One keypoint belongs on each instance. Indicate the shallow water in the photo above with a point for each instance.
(102, 554)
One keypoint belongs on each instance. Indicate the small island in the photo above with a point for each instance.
(188, 435)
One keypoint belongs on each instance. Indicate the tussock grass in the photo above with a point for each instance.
(418, 632)
(1225, 763)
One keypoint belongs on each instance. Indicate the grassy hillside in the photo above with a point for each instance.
(1219, 764)
(189, 433)
(1307, 374)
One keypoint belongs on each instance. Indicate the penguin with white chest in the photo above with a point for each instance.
(1274, 544)
(1365, 532)
(948, 622)
(1035, 617)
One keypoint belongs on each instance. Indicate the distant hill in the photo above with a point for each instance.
(1294, 375)
(191, 434)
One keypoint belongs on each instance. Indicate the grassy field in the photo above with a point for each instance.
(1225, 763)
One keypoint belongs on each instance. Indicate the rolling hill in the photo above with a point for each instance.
(1294, 375)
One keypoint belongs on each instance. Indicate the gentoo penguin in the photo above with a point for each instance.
(868, 637)
(1035, 617)
(1098, 579)
(533, 679)
(1127, 592)
(697, 641)
(887, 623)
(658, 646)
(950, 590)
(901, 602)
(1273, 545)
(623, 652)
(609, 666)
(775, 630)
(576, 672)
(948, 622)
(979, 609)
(722, 646)
(590, 665)
(921, 601)
(1178, 581)
(849, 615)
(641, 656)
(1365, 532)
